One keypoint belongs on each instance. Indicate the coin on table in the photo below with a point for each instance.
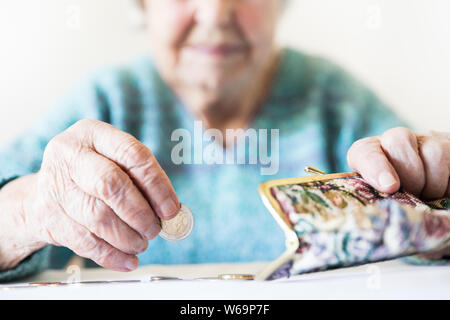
(46, 284)
(162, 278)
(236, 277)
(178, 228)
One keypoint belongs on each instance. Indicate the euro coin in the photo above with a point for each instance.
(179, 227)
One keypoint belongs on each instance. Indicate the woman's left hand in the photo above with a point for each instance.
(420, 163)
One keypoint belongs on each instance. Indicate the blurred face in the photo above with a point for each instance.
(213, 46)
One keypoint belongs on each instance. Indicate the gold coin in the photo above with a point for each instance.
(236, 277)
(179, 227)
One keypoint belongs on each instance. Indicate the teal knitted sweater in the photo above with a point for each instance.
(319, 109)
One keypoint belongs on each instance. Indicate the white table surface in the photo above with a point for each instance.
(384, 280)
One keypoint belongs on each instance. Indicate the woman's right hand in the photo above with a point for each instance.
(99, 192)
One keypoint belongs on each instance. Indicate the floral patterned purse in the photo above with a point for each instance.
(338, 220)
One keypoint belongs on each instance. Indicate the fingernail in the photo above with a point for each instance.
(132, 263)
(386, 179)
(153, 231)
(169, 208)
(143, 245)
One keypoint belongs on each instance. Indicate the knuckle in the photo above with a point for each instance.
(132, 152)
(109, 183)
(396, 136)
(104, 255)
(56, 146)
(83, 124)
(355, 151)
(398, 131)
(143, 217)
(91, 245)
(153, 176)
(434, 150)
(363, 142)
(133, 244)
(101, 222)
(62, 147)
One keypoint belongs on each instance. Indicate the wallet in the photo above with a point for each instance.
(339, 220)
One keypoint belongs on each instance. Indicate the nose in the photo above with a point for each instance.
(218, 13)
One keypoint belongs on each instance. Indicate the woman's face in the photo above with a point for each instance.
(212, 45)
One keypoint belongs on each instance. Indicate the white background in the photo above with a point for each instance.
(400, 48)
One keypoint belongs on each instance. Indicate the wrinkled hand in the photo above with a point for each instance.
(400, 157)
(99, 192)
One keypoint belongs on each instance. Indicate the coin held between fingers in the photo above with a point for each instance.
(179, 227)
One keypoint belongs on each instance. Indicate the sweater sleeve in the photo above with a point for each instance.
(23, 156)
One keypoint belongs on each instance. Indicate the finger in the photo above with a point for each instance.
(367, 158)
(61, 230)
(435, 154)
(401, 148)
(101, 220)
(103, 179)
(137, 161)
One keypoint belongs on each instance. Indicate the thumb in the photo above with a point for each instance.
(366, 156)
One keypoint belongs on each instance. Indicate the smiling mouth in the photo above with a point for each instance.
(218, 51)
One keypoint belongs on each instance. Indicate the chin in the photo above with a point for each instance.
(216, 80)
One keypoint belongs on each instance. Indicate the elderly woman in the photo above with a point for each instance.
(96, 175)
